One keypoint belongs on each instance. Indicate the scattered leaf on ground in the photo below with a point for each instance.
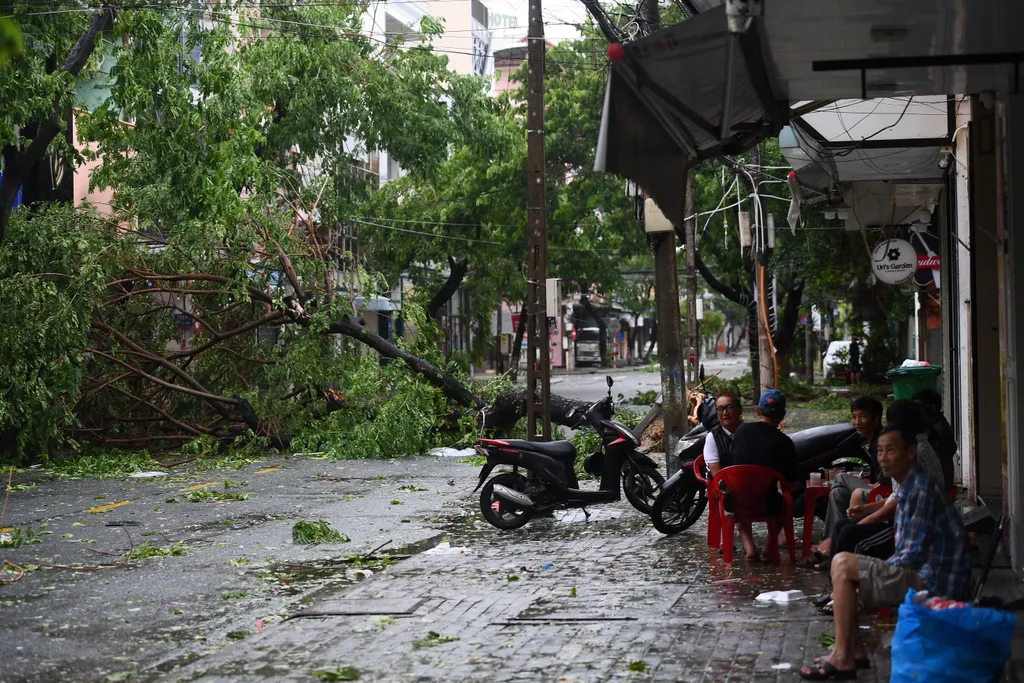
(411, 488)
(209, 494)
(512, 577)
(397, 502)
(237, 595)
(572, 593)
(638, 665)
(827, 640)
(146, 550)
(238, 635)
(319, 531)
(434, 638)
(105, 508)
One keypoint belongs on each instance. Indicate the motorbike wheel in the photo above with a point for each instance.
(677, 509)
(501, 513)
(641, 484)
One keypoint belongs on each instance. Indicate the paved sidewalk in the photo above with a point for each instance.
(560, 600)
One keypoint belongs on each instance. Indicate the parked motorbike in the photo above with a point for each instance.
(510, 499)
(683, 498)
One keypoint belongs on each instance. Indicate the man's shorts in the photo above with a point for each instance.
(883, 584)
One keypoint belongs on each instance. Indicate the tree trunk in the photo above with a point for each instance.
(652, 341)
(517, 344)
(509, 408)
(19, 164)
(355, 329)
(456, 274)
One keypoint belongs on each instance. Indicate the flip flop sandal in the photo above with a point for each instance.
(828, 672)
(822, 600)
(859, 663)
(756, 557)
(826, 609)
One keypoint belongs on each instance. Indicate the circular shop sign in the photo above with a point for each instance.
(894, 261)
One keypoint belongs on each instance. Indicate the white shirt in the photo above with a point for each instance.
(711, 447)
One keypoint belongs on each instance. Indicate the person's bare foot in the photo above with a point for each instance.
(825, 547)
(830, 668)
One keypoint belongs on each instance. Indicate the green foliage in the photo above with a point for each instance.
(207, 495)
(304, 533)
(24, 536)
(639, 666)
(12, 44)
(96, 464)
(51, 275)
(146, 551)
(434, 638)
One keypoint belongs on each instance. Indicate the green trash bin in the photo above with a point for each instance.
(908, 381)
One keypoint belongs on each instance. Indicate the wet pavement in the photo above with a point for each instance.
(563, 599)
(234, 567)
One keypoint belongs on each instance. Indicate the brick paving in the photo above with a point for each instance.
(560, 600)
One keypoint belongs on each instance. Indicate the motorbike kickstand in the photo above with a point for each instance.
(585, 514)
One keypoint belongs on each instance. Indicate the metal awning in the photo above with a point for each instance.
(690, 92)
(830, 49)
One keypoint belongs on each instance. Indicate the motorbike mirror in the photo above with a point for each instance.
(608, 379)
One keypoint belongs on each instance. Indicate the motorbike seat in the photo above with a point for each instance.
(560, 450)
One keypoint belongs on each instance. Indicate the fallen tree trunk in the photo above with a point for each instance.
(510, 407)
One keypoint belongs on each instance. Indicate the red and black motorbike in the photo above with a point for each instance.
(543, 475)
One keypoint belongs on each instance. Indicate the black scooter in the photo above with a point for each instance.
(683, 498)
(510, 499)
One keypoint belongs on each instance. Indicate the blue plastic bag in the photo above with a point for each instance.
(956, 645)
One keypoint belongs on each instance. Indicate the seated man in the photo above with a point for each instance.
(761, 443)
(868, 529)
(941, 434)
(718, 444)
(866, 415)
(932, 553)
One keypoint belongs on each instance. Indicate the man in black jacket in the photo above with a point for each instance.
(718, 444)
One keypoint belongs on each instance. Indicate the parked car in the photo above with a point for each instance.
(837, 358)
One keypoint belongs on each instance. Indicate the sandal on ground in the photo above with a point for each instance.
(823, 599)
(826, 609)
(813, 560)
(756, 557)
(826, 671)
(864, 663)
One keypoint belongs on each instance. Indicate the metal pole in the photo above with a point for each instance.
(538, 365)
(691, 280)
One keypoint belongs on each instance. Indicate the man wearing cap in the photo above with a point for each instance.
(761, 443)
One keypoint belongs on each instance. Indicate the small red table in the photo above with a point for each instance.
(811, 494)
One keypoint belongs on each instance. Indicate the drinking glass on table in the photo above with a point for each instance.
(815, 478)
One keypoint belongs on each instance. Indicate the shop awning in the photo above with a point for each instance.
(690, 92)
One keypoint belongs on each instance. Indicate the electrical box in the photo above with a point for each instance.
(654, 219)
(745, 240)
(553, 296)
(700, 309)
(506, 343)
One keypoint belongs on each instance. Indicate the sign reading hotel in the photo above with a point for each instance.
(894, 261)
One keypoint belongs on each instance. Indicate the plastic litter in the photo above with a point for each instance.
(783, 666)
(911, 363)
(547, 565)
(781, 596)
(446, 452)
(147, 475)
(447, 549)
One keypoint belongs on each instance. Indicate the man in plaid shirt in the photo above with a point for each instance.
(932, 553)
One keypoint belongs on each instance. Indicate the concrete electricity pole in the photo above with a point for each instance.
(538, 364)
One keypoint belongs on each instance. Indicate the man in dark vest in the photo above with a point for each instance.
(718, 444)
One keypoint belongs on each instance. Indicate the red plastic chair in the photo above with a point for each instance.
(879, 493)
(714, 520)
(747, 486)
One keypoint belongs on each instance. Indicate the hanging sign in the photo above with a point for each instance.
(894, 261)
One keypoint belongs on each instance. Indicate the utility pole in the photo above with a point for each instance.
(538, 363)
(691, 281)
(761, 279)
